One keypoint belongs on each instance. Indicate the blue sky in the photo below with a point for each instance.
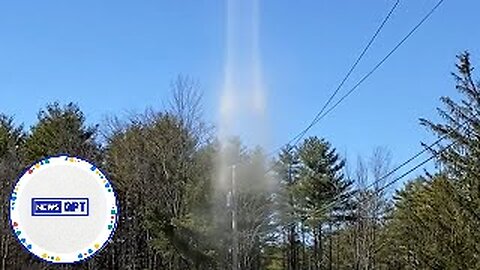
(112, 57)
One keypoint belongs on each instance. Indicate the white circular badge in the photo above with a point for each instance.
(63, 209)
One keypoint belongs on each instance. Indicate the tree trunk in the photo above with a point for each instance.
(285, 252)
(315, 248)
(293, 249)
(320, 245)
(330, 251)
(304, 254)
(5, 252)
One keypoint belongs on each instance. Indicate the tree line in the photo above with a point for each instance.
(308, 208)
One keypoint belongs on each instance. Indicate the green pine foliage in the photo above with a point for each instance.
(61, 130)
(435, 222)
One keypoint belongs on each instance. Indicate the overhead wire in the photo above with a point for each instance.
(300, 135)
(362, 80)
(381, 62)
(337, 200)
(409, 160)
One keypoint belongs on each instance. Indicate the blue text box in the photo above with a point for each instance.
(60, 207)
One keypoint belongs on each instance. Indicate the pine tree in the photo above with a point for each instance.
(460, 162)
(289, 219)
(11, 165)
(62, 130)
(322, 182)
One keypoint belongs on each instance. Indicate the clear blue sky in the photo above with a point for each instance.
(116, 56)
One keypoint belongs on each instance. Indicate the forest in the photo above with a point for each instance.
(304, 208)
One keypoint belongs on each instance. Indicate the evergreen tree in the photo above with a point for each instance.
(62, 130)
(460, 162)
(288, 218)
(322, 182)
(11, 165)
(429, 229)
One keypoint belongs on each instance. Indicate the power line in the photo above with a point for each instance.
(425, 149)
(366, 76)
(379, 64)
(403, 164)
(406, 162)
(336, 200)
(299, 136)
(347, 75)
